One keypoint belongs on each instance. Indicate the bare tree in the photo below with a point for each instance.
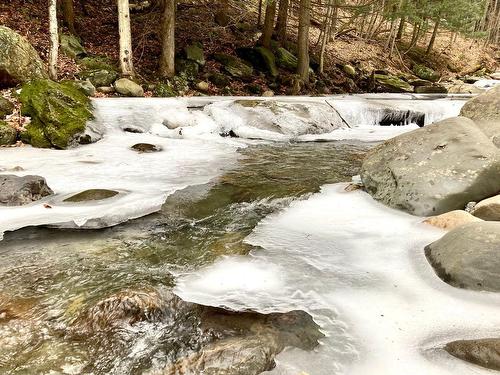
(54, 39)
(303, 40)
(167, 58)
(281, 22)
(269, 23)
(126, 63)
(69, 15)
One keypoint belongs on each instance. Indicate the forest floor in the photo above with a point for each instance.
(97, 27)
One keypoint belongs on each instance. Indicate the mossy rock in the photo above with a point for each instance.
(187, 68)
(269, 60)
(70, 45)
(58, 111)
(260, 58)
(96, 63)
(426, 73)
(234, 65)
(8, 134)
(392, 84)
(19, 61)
(219, 79)
(165, 90)
(286, 59)
(194, 52)
(99, 77)
(6, 107)
(349, 70)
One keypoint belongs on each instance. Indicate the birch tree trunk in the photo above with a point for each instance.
(54, 39)
(167, 58)
(126, 63)
(303, 40)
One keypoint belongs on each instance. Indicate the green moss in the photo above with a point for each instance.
(8, 134)
(426, 73)
(96, 63)
(58, 111)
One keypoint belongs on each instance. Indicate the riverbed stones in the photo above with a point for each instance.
(17, 191)
(488, 209)
(145, 148)
(451, 220)
(424, 72)
(481, 352)
(127, 87)
(19, 61)
(91, 195)
(484, 109)
(59, 113)
(469, 256)
(435, 169)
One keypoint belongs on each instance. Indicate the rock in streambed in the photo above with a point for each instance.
(16, 191)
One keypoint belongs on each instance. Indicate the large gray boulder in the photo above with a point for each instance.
(469, 256)
(481, 352)
(19, 61)
(484, 109)
(488, 209)
(16, 191)
(434, 169)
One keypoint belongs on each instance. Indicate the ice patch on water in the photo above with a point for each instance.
(487, 83)
(359, 269)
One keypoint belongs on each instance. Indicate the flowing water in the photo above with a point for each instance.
(253, 228)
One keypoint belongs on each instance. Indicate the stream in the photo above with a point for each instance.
(237, 248)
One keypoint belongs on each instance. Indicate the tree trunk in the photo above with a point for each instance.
(329, 21)
(54, 39)
(401, 28)
(434, 33)
(69, 15)
(269, 23)
(259, 17)
(167, 59)
(281, 22)
(303, 40)
(126, 63)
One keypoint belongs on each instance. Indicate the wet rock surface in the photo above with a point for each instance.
(145, 148)
(16, 191)
(451, 220)
(482, 352)
(435, 169)
(488, 209)
(91, 195)
(469, 256)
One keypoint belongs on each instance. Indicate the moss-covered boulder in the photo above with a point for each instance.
(187, 68)
(286, 59)
(6, 107)
(8, 134)
(194, 52)
(19, 61)
(260, 58)
(389, 83)
(58, 111)
(219, 79)
(99, 77)
(70, 45)
(165, 90)
(426, 73)
(234, 66)
(96, 63)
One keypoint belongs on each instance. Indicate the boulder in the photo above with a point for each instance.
(268, 60)
(434, 169)
(468, 256)
(484, 110)
(16, 191)
(431, 89)
(203, 86)
(426, 73)
(96, 63)
(145, 148)
(70, 45)
(451, 220)
(488, 209)
(219, 79)
(389, 83)
(91, 195)
(481, 352)
(463, 88)
(187, 68)
(127, 87)
(495, 75)
(99, 77)
(106, 89)
(260, 58)
(194, 52)
(234, 66)
(8, 134)
(349, 70)
(286, 59)
(6, 107)
(58, 111)
(19, 61)
(268, 93)
(164, 90)
(85, 86)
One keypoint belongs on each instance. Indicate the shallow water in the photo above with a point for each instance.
(49, 277)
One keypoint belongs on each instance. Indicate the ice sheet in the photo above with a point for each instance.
(359, 269)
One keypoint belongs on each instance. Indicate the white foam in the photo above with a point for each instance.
(359, 269)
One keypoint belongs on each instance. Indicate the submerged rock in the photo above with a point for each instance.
(435, 169)
(145, 148)
(451, 220)
(481, 352)
(91, 195)
(19, 61)
(16, 191)
(484, 109)
(58, 111)
(469, 256)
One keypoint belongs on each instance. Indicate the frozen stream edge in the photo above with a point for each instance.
(359, 269)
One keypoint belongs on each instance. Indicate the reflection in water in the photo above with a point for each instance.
(100, 302)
